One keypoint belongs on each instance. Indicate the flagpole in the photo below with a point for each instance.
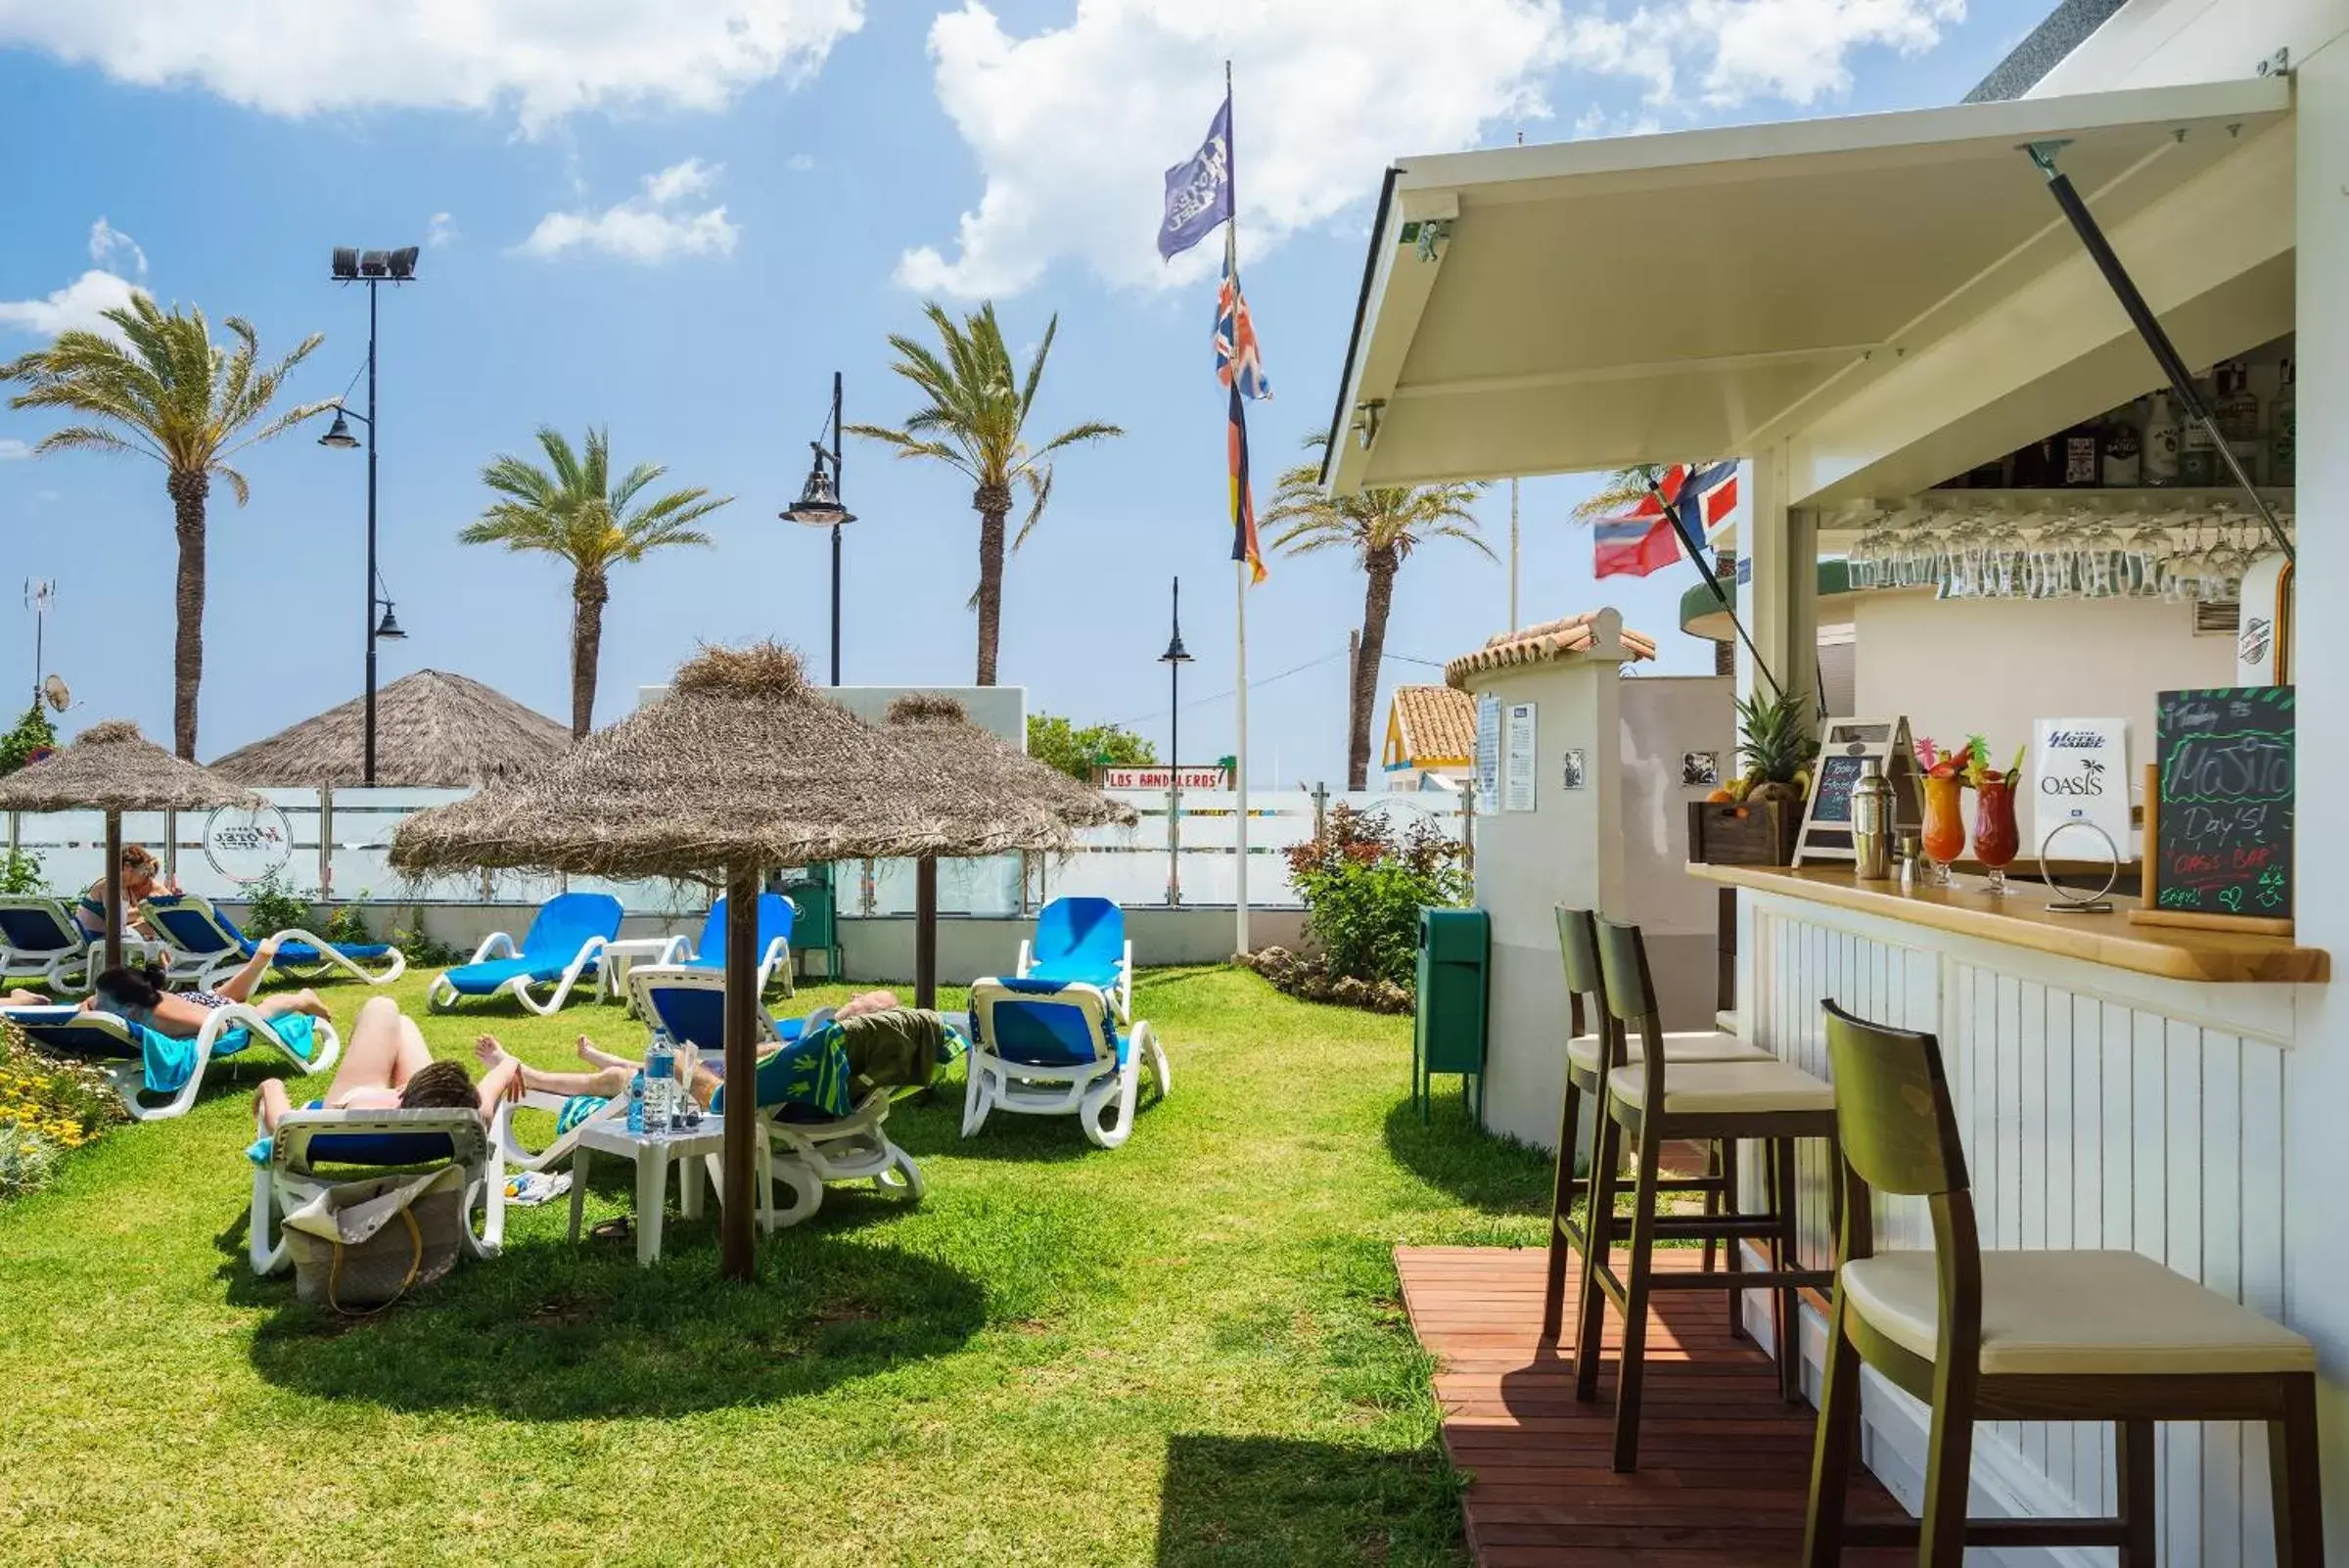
(1697, 553)
(1239, 579)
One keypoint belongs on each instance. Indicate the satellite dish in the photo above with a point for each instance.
(59, 695)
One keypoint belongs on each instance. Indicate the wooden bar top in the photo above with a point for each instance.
(2023, 920)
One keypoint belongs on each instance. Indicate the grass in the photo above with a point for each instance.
(1189, 1351)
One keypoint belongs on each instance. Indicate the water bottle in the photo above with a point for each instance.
(637, 1106)
(661, 1081)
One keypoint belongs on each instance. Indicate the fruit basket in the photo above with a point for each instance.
(1743, 832)
(1756, 819)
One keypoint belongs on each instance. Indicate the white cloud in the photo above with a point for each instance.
(439, 230)
(1073, 127)
(800, 162)
(646, 227)
(77, 305)
(107, 242)
(11, 449)
(294, 56)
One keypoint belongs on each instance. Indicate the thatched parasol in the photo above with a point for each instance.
(1034, 805)
(433, 730)
(112, 769)
(742, 766)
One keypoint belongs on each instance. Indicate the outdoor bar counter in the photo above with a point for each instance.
(2117, 1084)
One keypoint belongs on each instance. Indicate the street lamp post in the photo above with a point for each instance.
(1175, 658)
(370, 267)
(818, 506)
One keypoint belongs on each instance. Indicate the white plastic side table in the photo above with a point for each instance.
(613, 965)
(653, 1153)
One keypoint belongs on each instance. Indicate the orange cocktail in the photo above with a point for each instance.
(1945, 823)
(1996, 840)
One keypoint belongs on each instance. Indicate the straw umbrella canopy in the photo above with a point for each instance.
(435, 730)
(112, 769)
(741, 768)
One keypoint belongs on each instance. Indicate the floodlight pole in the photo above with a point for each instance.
(836, 491)
(367, 624)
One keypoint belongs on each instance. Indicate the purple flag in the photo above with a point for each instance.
(1199, 189)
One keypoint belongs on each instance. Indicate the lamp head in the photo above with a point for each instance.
(818, 505)
(345, 262)
(388, 629)
(338, 434)
(1176, 653)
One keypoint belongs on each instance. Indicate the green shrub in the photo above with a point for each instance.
(28, 1160)
(46, 1108)
(32, 736)
(420, 951)
(272, 906)
(19, 872)
(349, 923)
(1363, 886)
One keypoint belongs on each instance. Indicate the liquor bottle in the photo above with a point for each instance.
(2197, 458)
(2038, 466)
(1990, 476)
(2281, 456)
(2081, 449)
(2237, 414)
(2159, 444)
(2122, 460)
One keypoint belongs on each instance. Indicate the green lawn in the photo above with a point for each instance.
(1189, 1351)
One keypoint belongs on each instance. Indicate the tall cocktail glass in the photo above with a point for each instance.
(1943, 825)
(1995, 837)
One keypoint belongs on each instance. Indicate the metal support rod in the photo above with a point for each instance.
(738, 1190)
(1175, 777)
(367, 769)
(836, 493)
(1697, 553)
(2149, 328)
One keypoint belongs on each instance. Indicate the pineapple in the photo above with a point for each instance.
(1776, 742)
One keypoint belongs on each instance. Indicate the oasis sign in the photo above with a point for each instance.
(2080, 773)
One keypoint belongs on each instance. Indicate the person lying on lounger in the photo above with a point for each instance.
(137, 993)
(387, 1066)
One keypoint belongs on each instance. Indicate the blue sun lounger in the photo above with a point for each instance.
(41, 943)
(1045, 1048)
(775, 917)
(315, 1149)
(1082, 941)
(140, 1062)
(206, 944)
(569, 933)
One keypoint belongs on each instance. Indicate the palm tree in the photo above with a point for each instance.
(579, 516)
(1381, 525)
(1625, 488)
(972, 421)
(167, 390)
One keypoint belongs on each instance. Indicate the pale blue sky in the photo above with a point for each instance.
(681, 228)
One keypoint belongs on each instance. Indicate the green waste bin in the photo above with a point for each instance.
(1447, 1033)
(815, 928)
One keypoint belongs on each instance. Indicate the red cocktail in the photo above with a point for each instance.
(1995, 837)
(1945, 823)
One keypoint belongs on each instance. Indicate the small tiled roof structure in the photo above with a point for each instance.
(1431, 726)
(1538, 645)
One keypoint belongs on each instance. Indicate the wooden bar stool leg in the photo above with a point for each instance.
(1599, 1233)
(1949, 1474)
(1629, 1364)
(2133, 1459)
(1712, 1197)
(1563, 1193)
(1787, 1245)
(2294, 1480)
(1735, 1248)
(1837, 1448)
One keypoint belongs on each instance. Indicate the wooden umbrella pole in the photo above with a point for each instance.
(739, 1220)
(925, 933)
(113, 890)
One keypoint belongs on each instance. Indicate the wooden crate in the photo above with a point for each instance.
(1740, 833)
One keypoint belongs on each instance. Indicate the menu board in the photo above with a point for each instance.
(2219, 808)
(1832, 797)
(1517, 760)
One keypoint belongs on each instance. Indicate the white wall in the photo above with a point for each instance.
(1663, 717)
(1993, 666)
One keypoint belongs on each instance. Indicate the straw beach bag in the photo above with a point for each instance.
(362, 1245)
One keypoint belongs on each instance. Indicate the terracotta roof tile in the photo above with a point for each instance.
(1438, 723)
(1538, 645)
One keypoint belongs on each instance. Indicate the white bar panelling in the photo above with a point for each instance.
(2099, 1108)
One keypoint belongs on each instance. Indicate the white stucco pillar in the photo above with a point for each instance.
(2317, 1072)
(1780, 605)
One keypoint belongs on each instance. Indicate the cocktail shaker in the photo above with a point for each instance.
(1871, 824)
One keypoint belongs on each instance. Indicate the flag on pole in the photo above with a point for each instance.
(1643, 541)
(1199, 194)
(1241, 369)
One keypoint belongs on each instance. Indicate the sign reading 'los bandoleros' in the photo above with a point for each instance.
(1155, 778)
(2080, 773)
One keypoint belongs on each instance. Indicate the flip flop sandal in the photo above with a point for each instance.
(619, 1229)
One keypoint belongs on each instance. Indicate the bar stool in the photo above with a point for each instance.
(2028, 1336)
(1587, 1057)
(1768, 1100)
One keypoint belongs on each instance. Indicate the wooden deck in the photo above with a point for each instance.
(1725, 1462)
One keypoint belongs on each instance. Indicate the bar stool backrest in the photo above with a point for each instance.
(1578, 946)
(1630, 997)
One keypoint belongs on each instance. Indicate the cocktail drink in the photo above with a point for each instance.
(1995, 837)
(1943, 825)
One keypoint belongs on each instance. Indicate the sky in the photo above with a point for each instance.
(678, 221)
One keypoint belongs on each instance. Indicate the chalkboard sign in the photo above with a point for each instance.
(1833, 800)
(2219, 810)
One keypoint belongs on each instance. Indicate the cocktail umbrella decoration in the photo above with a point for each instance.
(112, 769)
(742, 766)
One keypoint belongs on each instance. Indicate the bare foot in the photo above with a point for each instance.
(489, 1051)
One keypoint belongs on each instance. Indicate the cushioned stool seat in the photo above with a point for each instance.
(2078, 1312)
(1583, 1051)
(1698, 1088)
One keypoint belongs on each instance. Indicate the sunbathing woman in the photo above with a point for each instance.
(387, 1066)
(140, 882)
(138, 992)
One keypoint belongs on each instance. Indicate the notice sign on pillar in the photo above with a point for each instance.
(1517, 760)
(1487, 752)
(2080, 773)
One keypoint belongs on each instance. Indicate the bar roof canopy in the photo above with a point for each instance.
(1657, 298)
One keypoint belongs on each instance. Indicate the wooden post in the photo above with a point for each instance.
(737, 1224)
(113, 890)
(925, 933)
